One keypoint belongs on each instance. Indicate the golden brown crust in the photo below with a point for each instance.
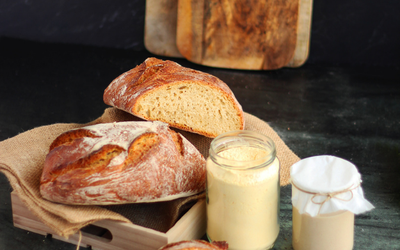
(178, 142)
(196, 245)
(126, 91)
(69, 137)
(125, 162)
(90, 164)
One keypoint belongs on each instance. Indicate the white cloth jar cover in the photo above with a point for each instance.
(325, 184)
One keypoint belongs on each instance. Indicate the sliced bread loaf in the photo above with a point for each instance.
(184, 98)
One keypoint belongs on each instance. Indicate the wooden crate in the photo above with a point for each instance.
(108, 234)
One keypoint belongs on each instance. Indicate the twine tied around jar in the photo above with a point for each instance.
(328, 195)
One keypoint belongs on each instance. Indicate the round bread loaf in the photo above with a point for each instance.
(124, 162)
(187, 99)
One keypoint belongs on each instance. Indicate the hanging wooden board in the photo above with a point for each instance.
(160, 27)
(177, 29)
(238, 34)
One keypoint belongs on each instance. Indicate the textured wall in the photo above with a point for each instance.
(108, 23)
(356, 32)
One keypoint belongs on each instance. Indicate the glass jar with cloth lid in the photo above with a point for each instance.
(326, 193)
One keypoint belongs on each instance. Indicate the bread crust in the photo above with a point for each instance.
(118, 163)
(196, 245)
(127, 90)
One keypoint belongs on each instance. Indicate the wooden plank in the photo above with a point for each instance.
(160, 27)
(192, 225)
(162, 36)
(243, 35)
(128, 236)
(24, 219)
(303, 34)
(263, 35)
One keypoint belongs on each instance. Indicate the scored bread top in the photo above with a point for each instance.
(121, 162)
(184, 98)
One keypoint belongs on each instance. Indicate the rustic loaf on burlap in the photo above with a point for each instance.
(121, 162)
(22, 158)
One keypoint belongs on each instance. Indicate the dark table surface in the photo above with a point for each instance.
(349, 112)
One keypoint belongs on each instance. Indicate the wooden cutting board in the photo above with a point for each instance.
(218, 34)
(160, 27)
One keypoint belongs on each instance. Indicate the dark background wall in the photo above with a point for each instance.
(344, 32)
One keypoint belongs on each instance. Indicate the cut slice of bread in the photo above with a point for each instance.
(184, 98)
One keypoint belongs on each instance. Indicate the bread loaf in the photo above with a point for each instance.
(184, 98)
(124, 162)
(196, 245)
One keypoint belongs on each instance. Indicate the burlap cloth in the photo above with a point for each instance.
(22, 157)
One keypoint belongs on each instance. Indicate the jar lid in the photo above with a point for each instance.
(325, 184)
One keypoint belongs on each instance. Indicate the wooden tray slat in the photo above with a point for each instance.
(192, 225)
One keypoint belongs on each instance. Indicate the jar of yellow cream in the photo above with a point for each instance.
(243, 190)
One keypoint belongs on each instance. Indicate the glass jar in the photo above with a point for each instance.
(326, 194)
(333, 231)
(243, 190)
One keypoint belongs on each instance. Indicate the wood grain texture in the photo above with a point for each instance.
(238, 34)
(189, 34)
(303, 34)
(166, 36)
(160, 27)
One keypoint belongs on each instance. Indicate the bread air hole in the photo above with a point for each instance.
(192, 105)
